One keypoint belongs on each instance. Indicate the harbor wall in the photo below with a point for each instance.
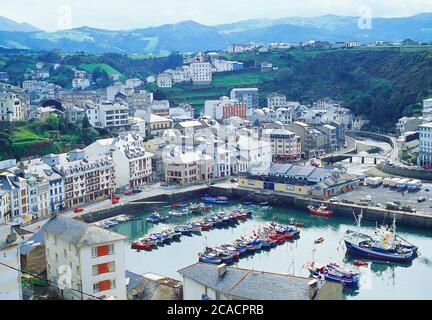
(339, 209)
(274, 198)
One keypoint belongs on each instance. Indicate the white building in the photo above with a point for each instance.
(164, 80)
(108, 115)
(133, 83)
(425, 145)
(187, 167)
(80, 83)
(85, 261)
(255, 155)
(276, 100)
(10, 276)
(427, 109)
(160, 107)
(240, 48)
(201, 73)
(132, 164)
(11, 107)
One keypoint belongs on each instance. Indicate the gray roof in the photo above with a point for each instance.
(320, 173)
(33, 242)
(249, 284)
(279, 169)
(134, 280)
(80, 233)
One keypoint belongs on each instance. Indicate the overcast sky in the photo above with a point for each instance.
(52, 15)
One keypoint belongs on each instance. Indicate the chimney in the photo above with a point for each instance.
(313, 288)
(222, 269)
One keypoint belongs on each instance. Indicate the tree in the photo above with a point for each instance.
(86, 123)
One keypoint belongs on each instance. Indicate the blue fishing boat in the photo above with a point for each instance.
(156, 218)
(215, 200)
(210, 258)
(333, 272)
(184, 230)
(385, 244)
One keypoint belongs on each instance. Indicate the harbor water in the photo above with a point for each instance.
(380, 280)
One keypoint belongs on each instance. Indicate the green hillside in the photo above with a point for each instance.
(382, 84)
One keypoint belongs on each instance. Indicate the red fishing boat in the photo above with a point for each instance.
(321, 211)
(138, 245)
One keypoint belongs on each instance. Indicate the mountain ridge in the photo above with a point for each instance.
(190, 35)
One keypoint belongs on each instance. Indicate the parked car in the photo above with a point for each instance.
(78, 210)
(421, 199)
(137, 191)
(212, 183)
(234, 180)
(334, 200)
(128, 192)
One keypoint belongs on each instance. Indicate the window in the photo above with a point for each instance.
(111, 249)
(95, 287)
(94, 252)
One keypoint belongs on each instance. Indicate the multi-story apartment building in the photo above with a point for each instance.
(226, 65)
(85, 178)
(13, 198)
(132, 163)
(225, 108)
(313, 141)
(11, 107)
(156, 125)
(425, 145)
(427, 109)
(164, 80)
(240, 48)
(80, 83)
(286, 145)
(108, 115)
(160, 107)
(276, 100)
(10, 265)
(254, 156)
(187, 167)
(74, 114)
(201, 73)
(140, 99)
(250, 96)
(84, 262)
(133, 83)
(46, 185)
(78, 98)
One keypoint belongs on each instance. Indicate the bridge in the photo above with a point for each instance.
(351, 153)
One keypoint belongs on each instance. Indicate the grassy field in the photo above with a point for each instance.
(90, 67)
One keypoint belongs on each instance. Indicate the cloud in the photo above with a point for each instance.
(127, 14)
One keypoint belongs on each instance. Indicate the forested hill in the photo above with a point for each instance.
(382, 85)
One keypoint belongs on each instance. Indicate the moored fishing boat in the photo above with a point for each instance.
(321, 211)
(333, 272)
(140, 245)
(383, 245)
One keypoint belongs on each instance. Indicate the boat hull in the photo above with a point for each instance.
(365, 252)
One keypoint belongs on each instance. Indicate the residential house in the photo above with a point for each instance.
(10, 266)
(84, 262)
(286, 145)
